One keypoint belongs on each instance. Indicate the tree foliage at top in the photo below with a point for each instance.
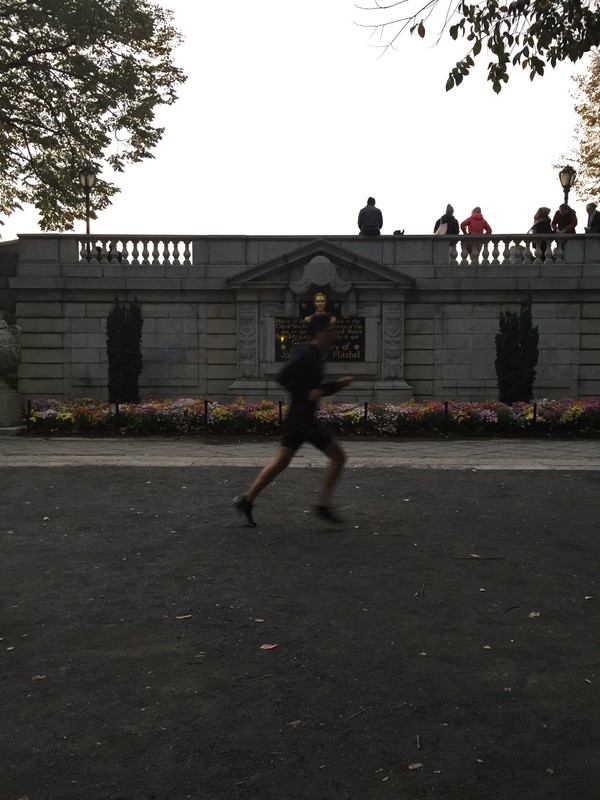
(587, 147)
(80, 81)
(529, 33)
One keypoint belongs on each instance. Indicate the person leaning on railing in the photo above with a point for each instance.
(565, 220)
(475, 224)
(541, 224)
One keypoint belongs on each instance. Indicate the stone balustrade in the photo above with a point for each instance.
(188, 251)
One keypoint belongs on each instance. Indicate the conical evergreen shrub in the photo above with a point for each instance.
(516, 354)
(124, 349)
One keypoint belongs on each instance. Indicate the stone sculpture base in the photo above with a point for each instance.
(10, 406)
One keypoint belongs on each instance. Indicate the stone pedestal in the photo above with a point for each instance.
(10, 406)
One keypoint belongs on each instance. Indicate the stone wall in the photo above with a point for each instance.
(192, 290)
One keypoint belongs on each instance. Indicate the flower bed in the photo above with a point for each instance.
(188, 416)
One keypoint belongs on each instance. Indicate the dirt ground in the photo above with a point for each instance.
(443, 643)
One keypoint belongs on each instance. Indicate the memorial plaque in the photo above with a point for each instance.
(349, 345)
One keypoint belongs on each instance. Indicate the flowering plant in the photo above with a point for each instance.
(187, 416)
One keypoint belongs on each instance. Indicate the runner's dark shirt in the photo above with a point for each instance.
(302, 373)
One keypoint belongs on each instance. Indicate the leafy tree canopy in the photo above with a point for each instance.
(529, 33)
(80, 81)
(587, 138)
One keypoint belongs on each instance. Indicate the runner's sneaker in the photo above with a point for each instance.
(327, 515)
(244, 507)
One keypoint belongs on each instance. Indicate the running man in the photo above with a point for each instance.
(302, 376)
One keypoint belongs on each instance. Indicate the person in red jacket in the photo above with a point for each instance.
(475, 224)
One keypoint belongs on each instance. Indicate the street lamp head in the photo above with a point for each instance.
(87, 176)
(567, 177)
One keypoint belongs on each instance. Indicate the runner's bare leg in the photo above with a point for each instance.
(337, 459)
(282, 458)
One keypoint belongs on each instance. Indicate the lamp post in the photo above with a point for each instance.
(567, 177)
(87, 177)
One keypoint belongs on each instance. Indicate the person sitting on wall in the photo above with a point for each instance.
(370, 219)
(565, 220)
(593, 225)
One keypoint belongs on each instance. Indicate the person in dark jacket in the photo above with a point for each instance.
(565, 220)
(541, 224)
(449, 220)
(593, 225)
(370, 219)
(302, 376)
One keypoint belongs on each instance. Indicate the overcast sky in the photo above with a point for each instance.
(289, 120)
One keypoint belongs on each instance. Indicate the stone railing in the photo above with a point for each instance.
(513, 249)
(139, 251)
(166, 251)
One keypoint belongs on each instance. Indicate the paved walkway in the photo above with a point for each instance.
(506, 454)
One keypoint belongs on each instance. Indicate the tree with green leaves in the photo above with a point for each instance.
(526, 33)
(124, 350)
(516, 354)
(80, 82)
(586, 153)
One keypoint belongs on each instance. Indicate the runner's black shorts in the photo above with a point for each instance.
(298, 431)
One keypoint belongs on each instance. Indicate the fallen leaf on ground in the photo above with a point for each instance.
(38, 677)
(533, 614)
(184, 616)
(474, 555)
(268, 646)
(294, 723)
(487, 646)
(416, 765)
(259, 620)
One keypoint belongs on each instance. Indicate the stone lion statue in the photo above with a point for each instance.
(10, 347)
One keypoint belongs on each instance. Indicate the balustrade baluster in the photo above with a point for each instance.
(166, 255)
(485, 254)
(124, 252)
(135, 254)
(506, 252)
(145, 252)
(176, 262)
(155, 254)
(187, 252)
(103, 251)
(453, 252)
(464, 253)
(495, 252)
(559, 253)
